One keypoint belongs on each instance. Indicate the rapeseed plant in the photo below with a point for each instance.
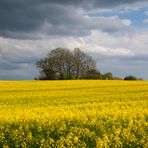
(75, 113)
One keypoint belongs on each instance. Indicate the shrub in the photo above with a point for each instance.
(130, 78)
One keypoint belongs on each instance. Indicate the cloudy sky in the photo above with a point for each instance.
(114, 32)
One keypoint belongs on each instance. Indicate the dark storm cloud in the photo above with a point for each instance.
(93, 3)
(63, 17)
(5, 65)
(18, 15)
(113, 3)
(17, 57)
(13, 59)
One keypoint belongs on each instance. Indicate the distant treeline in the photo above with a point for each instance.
(63, 64)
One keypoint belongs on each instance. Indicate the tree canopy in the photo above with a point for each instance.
(131, 77)
(60, 63)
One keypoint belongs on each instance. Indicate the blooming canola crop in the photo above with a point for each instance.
(76, 113)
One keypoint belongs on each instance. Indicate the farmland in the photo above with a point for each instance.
(76, 113)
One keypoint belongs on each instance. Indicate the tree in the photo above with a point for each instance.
(130, 77)
(82, 63)
(107, 76)
(69, 65)
(62, 64)
(93, 74)
(46, 69)
(62, 61)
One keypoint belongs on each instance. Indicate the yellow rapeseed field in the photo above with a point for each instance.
(76, 113)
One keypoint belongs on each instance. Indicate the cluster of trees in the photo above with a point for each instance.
(131, 77)
(62, 64)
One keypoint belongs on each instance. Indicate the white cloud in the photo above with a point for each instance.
(106, 44)
(146, 13)
(126, 22)
(145, 21)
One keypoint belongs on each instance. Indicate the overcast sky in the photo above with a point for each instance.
(114, 32)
